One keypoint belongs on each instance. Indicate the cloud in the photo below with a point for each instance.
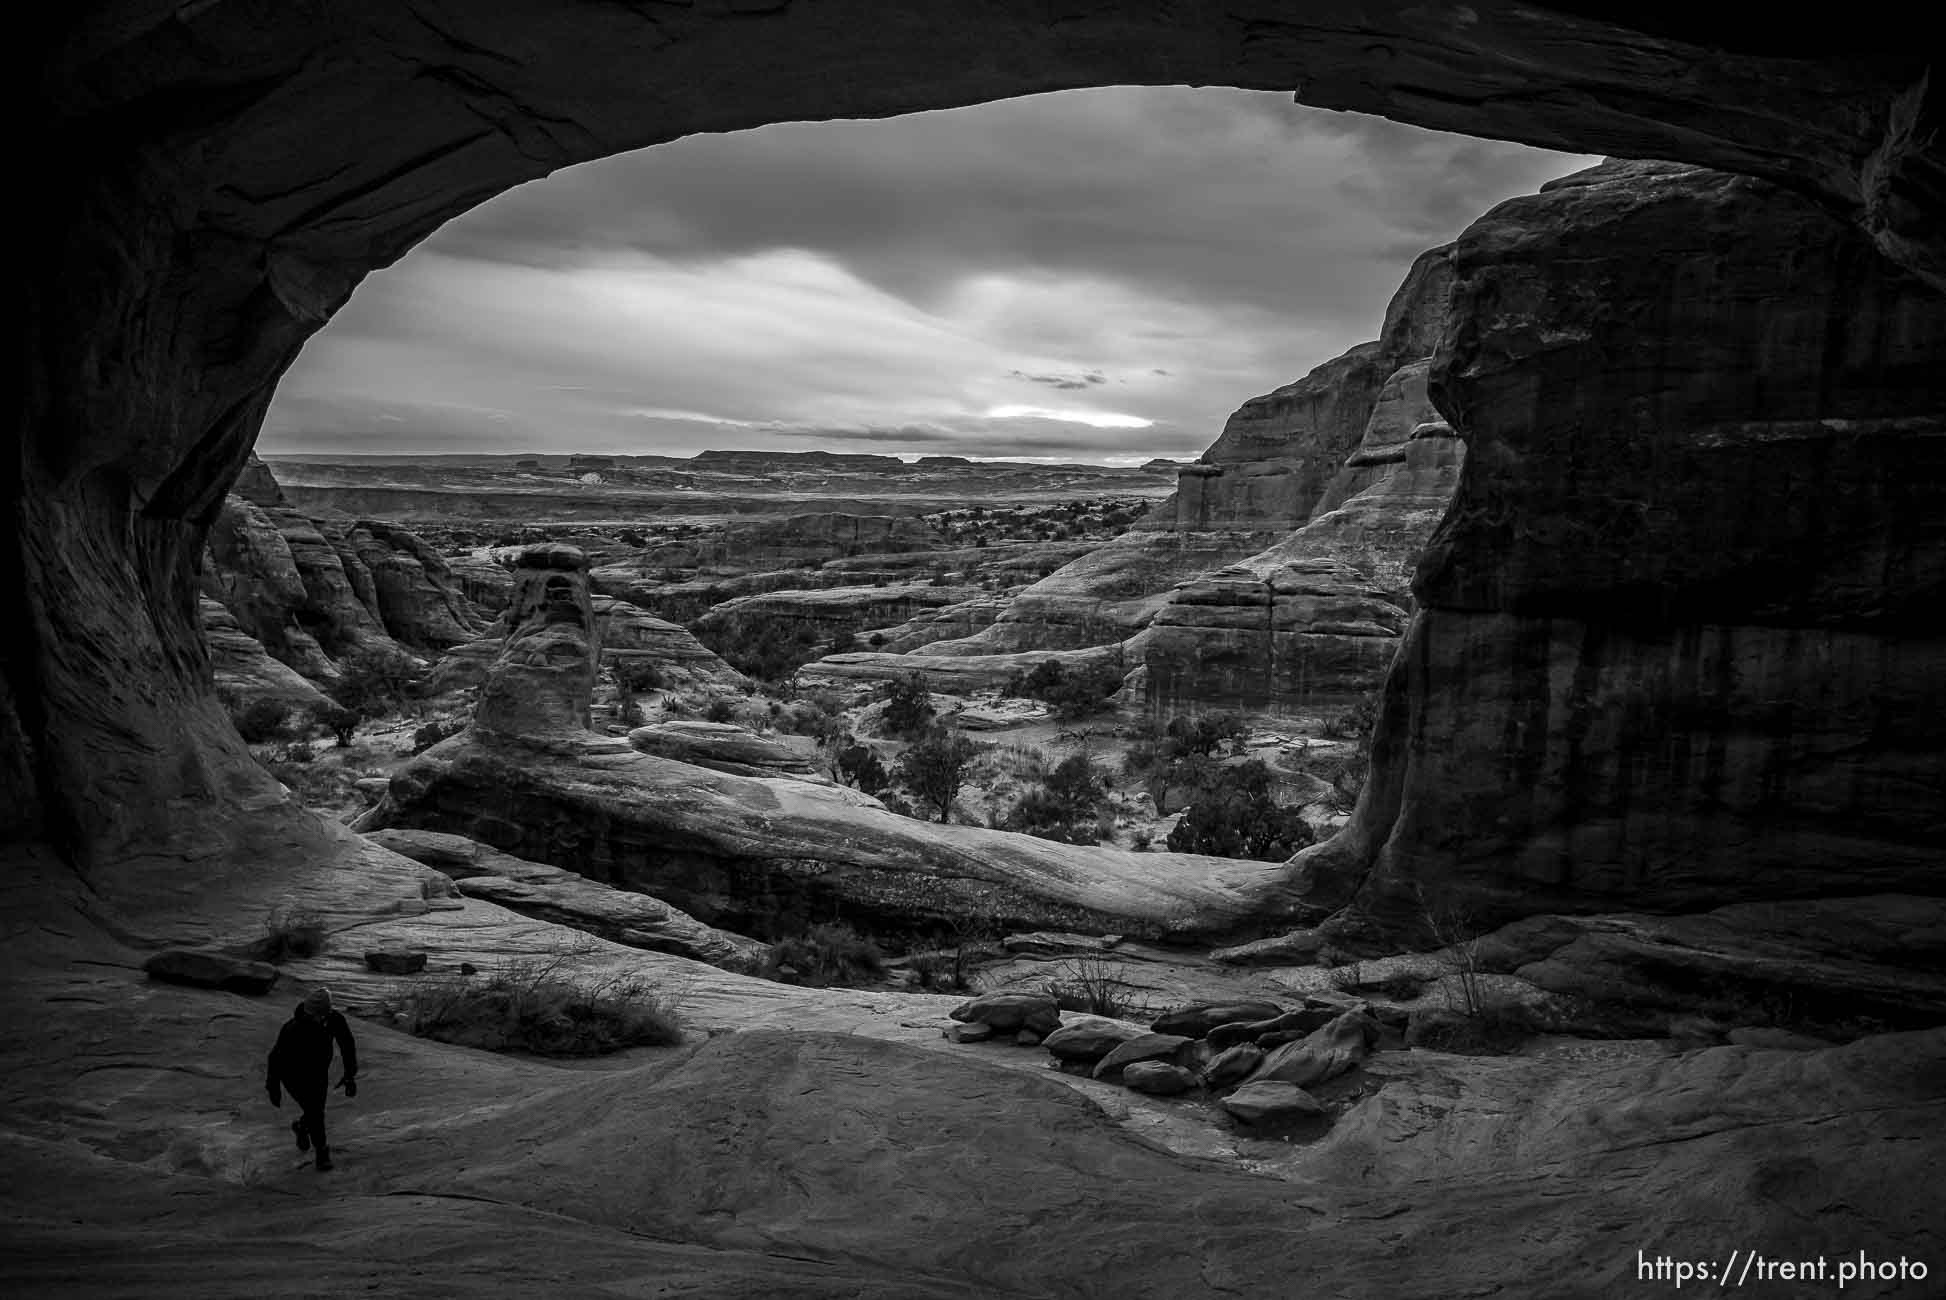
(1181, 249)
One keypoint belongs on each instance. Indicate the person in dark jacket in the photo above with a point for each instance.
(300, 1064)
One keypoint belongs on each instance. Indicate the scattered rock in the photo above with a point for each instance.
(395, 962)
(1158, 1078)
(1197, 1021)
(1232, 1065)
(1028, 1038)
(975, 1033)
(1270, 1102)
(1011, 1012)
(1050, 943)
(1086, 1044)
(1303, 1020)
(1144, 1047)
(211, 970)
(1322, 1054)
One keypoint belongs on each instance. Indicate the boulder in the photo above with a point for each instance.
(1322, 1054)
(1196, 1021)
(211, 970)
(1087, 1043)
(394, 962)
(1159, 1078)
(1298, 948)
(974, 1033)
(1269, 1102)
(1173, 1048)
(1301, 1022)
(1010, 1012)
(1232, 1065)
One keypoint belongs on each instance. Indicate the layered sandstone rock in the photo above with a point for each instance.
(314, 590)
(244, 670)
(1281, 459)
(1680, 644)
(756, 854)
(725, 747)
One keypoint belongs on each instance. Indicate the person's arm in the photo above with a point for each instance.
(341, 1030)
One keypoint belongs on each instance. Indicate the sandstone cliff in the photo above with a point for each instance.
(1282, 459)
(1680, 641)
(313, 590)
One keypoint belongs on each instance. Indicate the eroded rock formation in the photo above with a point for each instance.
(1680, 643)
(750, 853)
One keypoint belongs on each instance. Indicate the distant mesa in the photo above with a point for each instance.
(528, 462)
(578, 464)
(1163, 465)
(941, 462)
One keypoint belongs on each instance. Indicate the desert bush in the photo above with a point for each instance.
(1356, 721)
(908, 705)
(262, 720)
(1234, 814)
(533, 1006)
(1090, 985)
(720, 709)
(1064, 807)
(859, 767)
(635, 676)
(844, 642)
(291, 932)
(1141, 839)
(769, 647)
(424, 738)
(335, 718)
(826, 955)
(935, 767)
(630, 714)
(1079, 693)
(374, 682)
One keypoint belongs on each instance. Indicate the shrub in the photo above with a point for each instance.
(1090, 985)
(341, 722)
(630, 714)
(1356, 721)
(424, 738)
(1064, 808)
(291, 932)
(908, 705)
(1234, 815)
(859, 767)
(826, 955)
(720, 709)
(844, 642)
(935, 768)
(532, 1006)
(373, 682)
(635, 676)
(769, 647)
(262, 720)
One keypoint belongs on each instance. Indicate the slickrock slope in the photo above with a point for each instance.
(1681, 641)
(530, 779)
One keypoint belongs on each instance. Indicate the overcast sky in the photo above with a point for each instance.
(1094, 275)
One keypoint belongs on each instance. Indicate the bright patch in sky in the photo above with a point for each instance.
(1080, 275)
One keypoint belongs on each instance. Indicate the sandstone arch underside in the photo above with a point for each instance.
(212, 181)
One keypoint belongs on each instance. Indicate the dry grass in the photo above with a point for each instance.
(534, 1006)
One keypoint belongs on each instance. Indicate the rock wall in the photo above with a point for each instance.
(1680, 641)
(313, 590)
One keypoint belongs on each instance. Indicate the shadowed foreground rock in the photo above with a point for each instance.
(1680, 643)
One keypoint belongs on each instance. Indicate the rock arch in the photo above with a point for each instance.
(215, 182)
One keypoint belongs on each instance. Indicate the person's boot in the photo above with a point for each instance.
(324, 1158)
(303, 1134)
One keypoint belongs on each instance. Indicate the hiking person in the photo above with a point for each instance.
(300, 1063)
